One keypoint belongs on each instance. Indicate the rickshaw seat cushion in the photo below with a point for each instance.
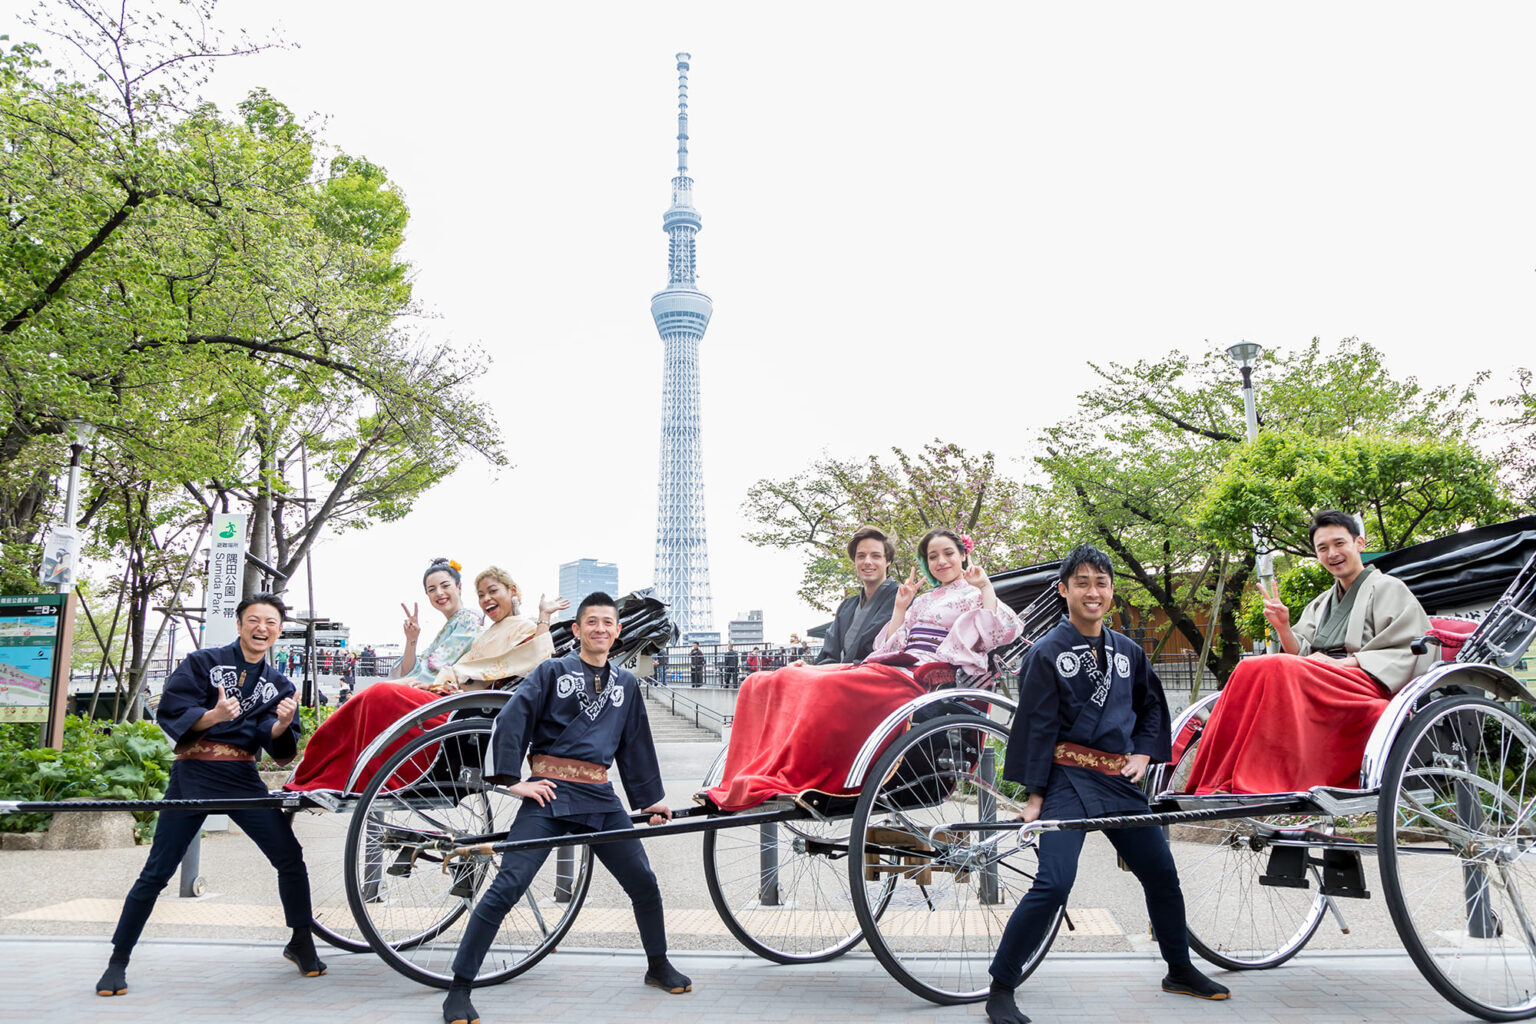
(1452, 634)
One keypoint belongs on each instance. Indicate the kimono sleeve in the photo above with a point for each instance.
(1036, 724)
(1394, 619)
(832, 645)
(184, 698)
(512, 731)
(636, 758)
(1305, 629)
(283, 747)
(454, 640)
(1153, 735)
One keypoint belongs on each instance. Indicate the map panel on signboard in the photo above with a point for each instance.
(29, 635)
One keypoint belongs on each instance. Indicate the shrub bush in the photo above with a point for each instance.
(106, 760)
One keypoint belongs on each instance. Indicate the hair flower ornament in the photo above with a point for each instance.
(456, 567)
(966, 542)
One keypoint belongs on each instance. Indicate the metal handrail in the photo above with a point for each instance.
(699, 710)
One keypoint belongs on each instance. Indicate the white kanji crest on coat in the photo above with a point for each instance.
(1123, 665)
(1067, 663)
(568, 684)
(618, 694)
(225, 676)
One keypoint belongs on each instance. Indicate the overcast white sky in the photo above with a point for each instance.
(920, 220)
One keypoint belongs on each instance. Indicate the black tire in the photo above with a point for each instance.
(1232, 920)
(324, 838)
(409, 910)
(807, 916)
(1456, 843)
(941, 771)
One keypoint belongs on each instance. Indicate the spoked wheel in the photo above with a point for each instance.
(1234, 921)
(952, 891)
(1457, 843)
(429, 796)
(782, 888)
(324, 838)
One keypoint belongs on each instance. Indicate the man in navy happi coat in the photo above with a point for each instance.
(1091, 718)
(221, 708)
(574, 717)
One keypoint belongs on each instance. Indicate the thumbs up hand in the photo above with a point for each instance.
(226, 708)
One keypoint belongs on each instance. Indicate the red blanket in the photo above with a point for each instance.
(799, 729)
(1285, 724)
(333, 749)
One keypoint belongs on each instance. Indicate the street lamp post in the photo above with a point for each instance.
(1245, 354)
(80, 435)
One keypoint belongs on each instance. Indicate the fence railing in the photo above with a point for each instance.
(703, 717)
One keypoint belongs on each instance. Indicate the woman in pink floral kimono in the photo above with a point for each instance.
(798, 729)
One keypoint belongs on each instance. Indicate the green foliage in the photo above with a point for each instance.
(222, 295)
(1408, 488)
(1298, 586)
(816, 511)
(126, 761)
(1518, 456)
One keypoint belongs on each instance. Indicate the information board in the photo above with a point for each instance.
(33, 640)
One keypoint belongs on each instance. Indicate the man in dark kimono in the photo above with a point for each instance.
(574, 717)
(860, 618)
(1091, 718)
(221, 707)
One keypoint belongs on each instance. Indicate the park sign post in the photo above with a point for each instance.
(226, 568)
(36, 631)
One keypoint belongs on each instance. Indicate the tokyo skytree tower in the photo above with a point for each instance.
(682, 312)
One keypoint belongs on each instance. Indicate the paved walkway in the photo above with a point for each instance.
(50, 978)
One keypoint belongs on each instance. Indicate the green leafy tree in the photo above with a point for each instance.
(1134, 468)
(1518, 456)
(906, 495)
(222, 296)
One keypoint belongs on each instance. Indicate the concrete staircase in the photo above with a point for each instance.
(667, 727)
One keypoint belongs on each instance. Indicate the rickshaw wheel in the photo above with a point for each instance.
(1232, 919)
(782, 889)
(324, 837)
(412, 912)
(953, 893)
(1457, 846)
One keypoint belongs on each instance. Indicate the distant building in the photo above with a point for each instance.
(585, 576)
(747, 628)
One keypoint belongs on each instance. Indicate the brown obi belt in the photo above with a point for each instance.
(1075, 755)
(550, 767)
(212, 750)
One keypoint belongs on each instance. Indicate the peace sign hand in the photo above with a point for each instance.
(1275, 609)
(977, 577)
(412, 622)
(908, 590)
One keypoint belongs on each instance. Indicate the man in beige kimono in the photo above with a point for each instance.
(1287, 722)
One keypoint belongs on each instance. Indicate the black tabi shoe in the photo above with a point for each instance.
(1001, 1009)
(114, 981)
(1187, 981)
(457, 1009)
(308, 961)
(669, 979)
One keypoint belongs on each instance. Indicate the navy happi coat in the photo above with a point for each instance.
(565, 710)
(194, 688)
(1124, 713)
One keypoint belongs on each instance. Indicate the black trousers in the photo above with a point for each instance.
(1145, 852)
(626, 861)
(269, 829)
